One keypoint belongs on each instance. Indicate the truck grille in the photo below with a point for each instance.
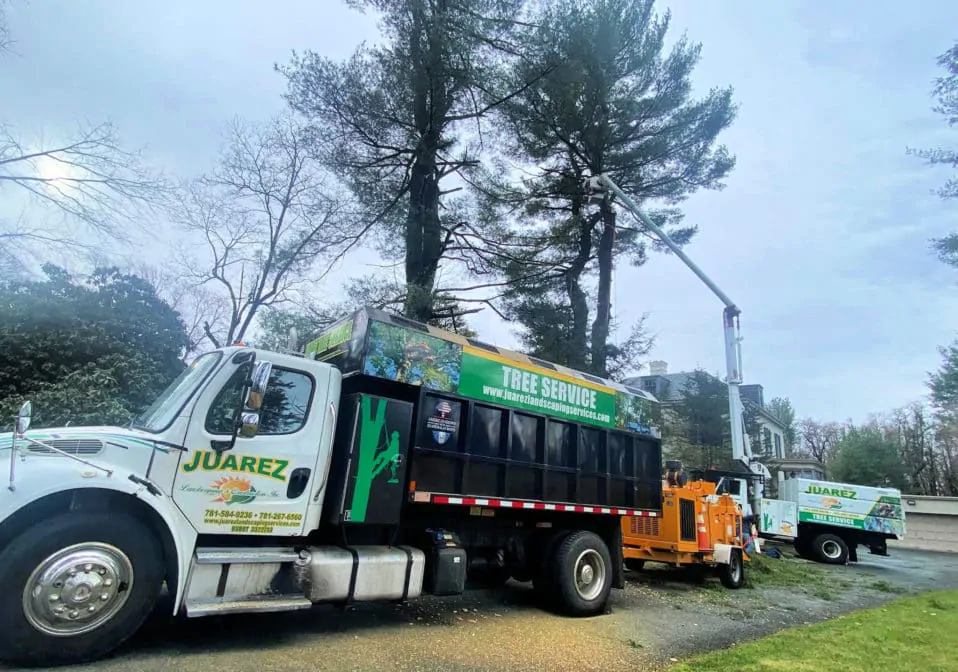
(71, 446)
(687, 519)
(646, 527)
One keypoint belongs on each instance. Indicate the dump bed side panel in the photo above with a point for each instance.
(479, 451)
(845, 505)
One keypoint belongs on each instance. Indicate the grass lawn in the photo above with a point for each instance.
(914, 633)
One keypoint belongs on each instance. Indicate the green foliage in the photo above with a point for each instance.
(945, 93)
(700, 433)
(781, 408)
(396, 111)
(944, 382)
(85, 350)
(612, 101)
(868, 455)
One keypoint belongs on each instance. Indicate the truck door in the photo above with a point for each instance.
(263, 484)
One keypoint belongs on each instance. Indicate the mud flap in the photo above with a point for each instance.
(723, 554)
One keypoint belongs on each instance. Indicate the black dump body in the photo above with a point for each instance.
(462, 420)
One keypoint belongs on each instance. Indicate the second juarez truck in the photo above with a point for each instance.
(392, 460)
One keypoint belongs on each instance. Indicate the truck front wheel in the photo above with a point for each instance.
(830, 549)
(76, 586)
(583, 573)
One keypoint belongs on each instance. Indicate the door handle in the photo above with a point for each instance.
(298, 480)
(219, 446)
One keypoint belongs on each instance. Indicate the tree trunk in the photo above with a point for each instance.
(423, 238)
(578, 299)
(603, 307)
(423, 230)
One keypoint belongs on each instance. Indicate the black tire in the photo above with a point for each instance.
(634, 564)
(803, 549)
(543, 578)
(830, 549)
(582, 568)
(22, 642)
(732, 575)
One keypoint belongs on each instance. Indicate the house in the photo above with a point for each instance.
(667, 387)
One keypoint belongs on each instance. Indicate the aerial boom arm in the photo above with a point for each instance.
(733, 348)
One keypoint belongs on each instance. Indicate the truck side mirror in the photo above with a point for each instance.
(249, 424)
(23, 417)
(259, 380)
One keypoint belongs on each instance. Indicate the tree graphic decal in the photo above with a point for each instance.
(378, 450)
(412, 357)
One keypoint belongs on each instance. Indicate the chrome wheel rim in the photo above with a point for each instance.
(736, 568)
(831, 550)
(77, 589)
(590, 574)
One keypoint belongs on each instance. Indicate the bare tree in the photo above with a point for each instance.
(818, 438)
(99, 189)
(195, 304)
(269, 222)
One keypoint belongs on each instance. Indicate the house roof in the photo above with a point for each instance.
(676, 383)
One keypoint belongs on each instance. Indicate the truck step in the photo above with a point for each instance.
(197, 608)
(230, 556)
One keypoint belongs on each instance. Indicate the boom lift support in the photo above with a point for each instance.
(741, 451)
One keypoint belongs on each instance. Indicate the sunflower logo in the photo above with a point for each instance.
(233, 490)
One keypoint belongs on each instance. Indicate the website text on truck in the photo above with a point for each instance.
(393, 460)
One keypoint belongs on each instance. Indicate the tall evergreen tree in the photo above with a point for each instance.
(613, 101)
(405, 115)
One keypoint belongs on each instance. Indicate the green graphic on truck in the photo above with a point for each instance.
(859, 507)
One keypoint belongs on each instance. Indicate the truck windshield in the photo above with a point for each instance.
(167, 406)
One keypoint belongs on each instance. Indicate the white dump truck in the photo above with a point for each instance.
(826, 521)
(392, 460)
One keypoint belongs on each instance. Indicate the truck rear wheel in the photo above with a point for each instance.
(830, 549)
(76, 586)
(732, 575)
(544, 576)
(583, 573)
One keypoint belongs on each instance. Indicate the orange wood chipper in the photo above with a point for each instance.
(697, 528)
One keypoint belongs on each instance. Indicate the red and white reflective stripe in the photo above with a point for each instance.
(537, 506)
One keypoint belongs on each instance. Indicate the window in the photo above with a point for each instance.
(168, 405)
(767, 434)
(729, 487)
(285, 404)
(778, 445)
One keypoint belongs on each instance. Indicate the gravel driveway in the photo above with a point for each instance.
(661, 615)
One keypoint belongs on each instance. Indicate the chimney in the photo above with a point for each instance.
(658, 368)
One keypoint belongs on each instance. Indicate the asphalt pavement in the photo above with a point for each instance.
(660, 616)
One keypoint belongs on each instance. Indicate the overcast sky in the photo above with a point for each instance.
(821, 235)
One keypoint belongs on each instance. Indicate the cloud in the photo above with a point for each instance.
(821, 235)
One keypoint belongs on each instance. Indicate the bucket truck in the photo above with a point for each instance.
(825, 521)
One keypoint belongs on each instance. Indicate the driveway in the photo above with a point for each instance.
(661, 615)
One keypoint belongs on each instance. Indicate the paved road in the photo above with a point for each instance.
(660, 616)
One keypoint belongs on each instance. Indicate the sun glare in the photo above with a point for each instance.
(55, 172)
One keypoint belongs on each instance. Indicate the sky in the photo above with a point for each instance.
(820, 236)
